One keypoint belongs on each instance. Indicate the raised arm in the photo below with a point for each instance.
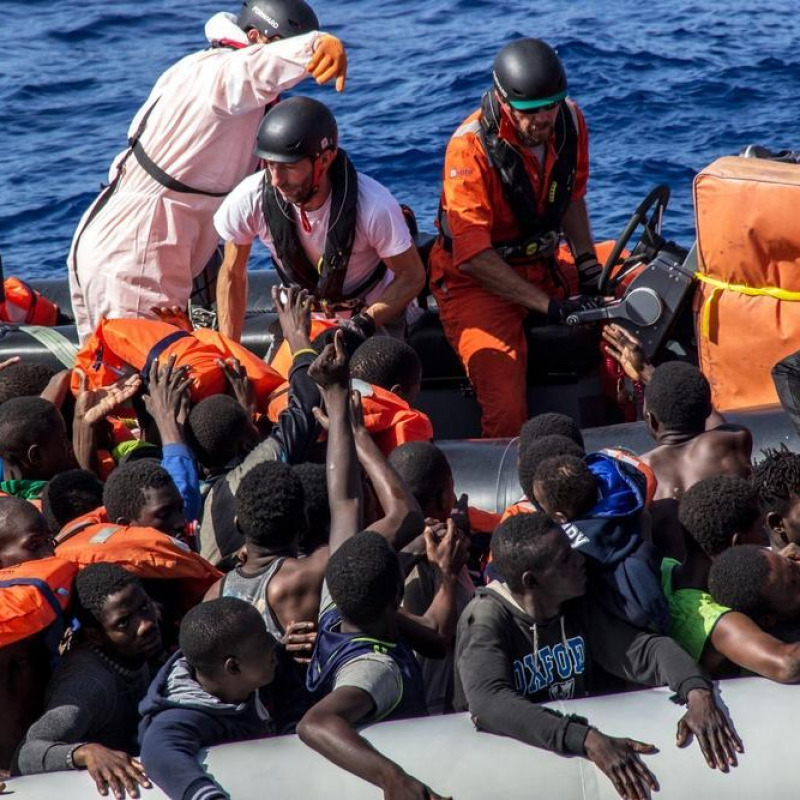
(402, 519)
(331, 373)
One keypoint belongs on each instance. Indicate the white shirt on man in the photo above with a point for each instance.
(381, 230)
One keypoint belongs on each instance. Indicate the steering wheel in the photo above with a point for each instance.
(649, 242)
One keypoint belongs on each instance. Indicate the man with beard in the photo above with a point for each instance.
(337, 233)
(515, 177)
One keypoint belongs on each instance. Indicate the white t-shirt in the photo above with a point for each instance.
(381, 230)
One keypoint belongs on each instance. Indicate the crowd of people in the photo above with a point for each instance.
(198, 547)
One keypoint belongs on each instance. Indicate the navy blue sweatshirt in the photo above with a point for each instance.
(179, 718)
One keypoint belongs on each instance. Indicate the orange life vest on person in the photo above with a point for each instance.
(282, 360)
(121, 346)
(388, 418)
(481, 521)
(24, 305)
(145, 552)
(34, 595)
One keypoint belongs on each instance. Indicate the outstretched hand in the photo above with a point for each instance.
(92, 405)
(718, 740)
(620, 760)
(627, 350)
(167, 398)
(240, 383)
(112, 769)
(330, 369)
(293, 306)
(329, 61)
(299, 640)
(174, 315)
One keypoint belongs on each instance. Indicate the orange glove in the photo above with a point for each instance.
(329, 61)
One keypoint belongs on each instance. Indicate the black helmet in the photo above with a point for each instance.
(296, 128)
(528, 75)
(284, 18)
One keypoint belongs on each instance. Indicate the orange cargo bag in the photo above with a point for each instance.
(34, 595)
(747, 310)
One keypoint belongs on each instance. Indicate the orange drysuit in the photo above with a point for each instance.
(486, 330)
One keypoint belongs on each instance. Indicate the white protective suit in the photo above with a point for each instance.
(144, 247)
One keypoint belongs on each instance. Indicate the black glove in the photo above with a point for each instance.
(589, 271)
(362, 324)
(559, 310)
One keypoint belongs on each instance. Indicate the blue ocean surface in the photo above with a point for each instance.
(666, 88)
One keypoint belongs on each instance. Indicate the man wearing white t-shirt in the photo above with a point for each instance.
(339, 234)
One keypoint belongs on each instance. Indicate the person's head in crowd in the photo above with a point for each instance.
(720, 512)
(116, 614)
(33, 440)
(677, 400)
(389, 363)
(24, 380)
(551, 423)
(228, 647)
(351, 340)
(143, 494)
(758, 582)
(70, 495)
(777, 480)
(565, 488)
(533, 452)
(270, 510)
(365, 579)
(219, 431)
(426, 471)
(314, 480)
(534, 556)
(24, 534)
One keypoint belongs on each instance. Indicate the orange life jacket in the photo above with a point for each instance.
(282, 360)
(388, 418)
(24, 305)
(34, 595)
(481, 521)
(146, 552)
(121, 346)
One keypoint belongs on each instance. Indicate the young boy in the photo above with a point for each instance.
(90, 717)
(600, 503)
(362, 664)
(535, 638)
(228, 682)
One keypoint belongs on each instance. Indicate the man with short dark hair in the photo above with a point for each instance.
(692, 442)
(534, 638)
(91, 714)
(229, 681)
(337, 233)
(24, 535)
(70, 495)
(777, 480)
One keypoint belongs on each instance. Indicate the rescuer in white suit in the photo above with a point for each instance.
(144, 239)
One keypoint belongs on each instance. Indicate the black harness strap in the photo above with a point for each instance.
(325, 282)
(538, 233)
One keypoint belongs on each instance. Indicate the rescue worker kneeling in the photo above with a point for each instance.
(515, 178)
(333, 231)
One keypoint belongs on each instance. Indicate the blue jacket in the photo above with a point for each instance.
(179, 718)
(625, 569)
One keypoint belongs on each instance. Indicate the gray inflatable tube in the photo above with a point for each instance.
(456, 761)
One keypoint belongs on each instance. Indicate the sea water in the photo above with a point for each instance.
(666, 88)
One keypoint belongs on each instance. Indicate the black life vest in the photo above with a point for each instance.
(326, 280)
(539, 234)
